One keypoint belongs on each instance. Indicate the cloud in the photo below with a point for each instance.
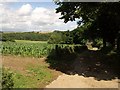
(41, 15)
(28, 19)
(3, 1)
(25, 9)
(26, 0)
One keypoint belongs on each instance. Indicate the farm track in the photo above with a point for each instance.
(20, 65)
(88, 72)
(76, 81)
(60, 81)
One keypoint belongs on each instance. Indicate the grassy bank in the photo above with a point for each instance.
(29, 72)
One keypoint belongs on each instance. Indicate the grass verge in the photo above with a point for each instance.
(28, 72)
(36, 77)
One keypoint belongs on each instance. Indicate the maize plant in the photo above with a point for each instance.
(26, 49)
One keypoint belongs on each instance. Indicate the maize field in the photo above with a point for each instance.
(32, 49)
(26, 49)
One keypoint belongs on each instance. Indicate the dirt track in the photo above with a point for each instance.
(89, 71)
(64, 80)
(76, 81)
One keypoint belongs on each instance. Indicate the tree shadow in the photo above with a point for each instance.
(79, 60)
(97, 65)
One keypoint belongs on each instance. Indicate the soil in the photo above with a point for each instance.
(18, 63)
(89, 71)
(76, 81)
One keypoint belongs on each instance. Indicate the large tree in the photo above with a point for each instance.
(104, 18)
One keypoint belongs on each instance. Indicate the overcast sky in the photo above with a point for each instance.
(31, 16)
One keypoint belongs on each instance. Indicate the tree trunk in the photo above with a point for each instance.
(104, 42)
(118, 44)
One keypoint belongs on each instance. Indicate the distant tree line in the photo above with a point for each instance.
(25, 36)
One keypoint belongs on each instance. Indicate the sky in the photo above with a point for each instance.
(20, 16)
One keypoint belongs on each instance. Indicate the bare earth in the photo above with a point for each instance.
(88, 70)
(18, 63)
(64, 80)
(76, 81)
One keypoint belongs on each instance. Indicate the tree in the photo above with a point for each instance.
(103, 17)
(61, 37)
(68, 39)
(56, 38)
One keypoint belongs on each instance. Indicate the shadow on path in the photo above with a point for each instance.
(81, 61)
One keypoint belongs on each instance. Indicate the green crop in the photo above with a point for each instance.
(33, 49)
(26, 49)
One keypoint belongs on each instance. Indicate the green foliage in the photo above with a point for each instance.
(79, 37)
(7, 79)
(62, 56)
(76, 36)
(6, 38)
(55, 38)
(103, 17)
(68, 37)
(98, 42)
(32, 49)
(60, 37)
(36, 76)
(25, 36)
(26, 49)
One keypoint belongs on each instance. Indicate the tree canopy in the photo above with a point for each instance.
(102, 18)
(33, 36)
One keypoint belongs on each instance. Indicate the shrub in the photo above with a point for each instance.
(7, 79)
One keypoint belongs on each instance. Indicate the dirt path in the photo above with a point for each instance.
(90, 71)
(65, 80)
(18, 63)
(76, 81)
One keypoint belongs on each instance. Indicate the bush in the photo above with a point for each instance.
(7, 79)
(97, 43)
